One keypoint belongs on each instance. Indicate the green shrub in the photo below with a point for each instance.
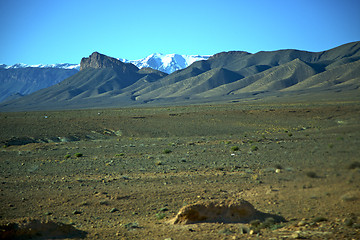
(254, 148)
(167, 151)
(311, 174)
(160, 215)
(78, 155)
(235, 148)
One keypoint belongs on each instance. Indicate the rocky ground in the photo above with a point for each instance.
(125, 173)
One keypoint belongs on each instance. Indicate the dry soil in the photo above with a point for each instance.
(125, 173)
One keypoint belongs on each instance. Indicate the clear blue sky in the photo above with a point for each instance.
(64, 31)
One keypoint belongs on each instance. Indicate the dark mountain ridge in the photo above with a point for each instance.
(24, 81)
(107, 82)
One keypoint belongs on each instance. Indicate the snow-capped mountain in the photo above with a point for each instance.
(22, 79)
(58, 65)
(163, 62)
(166, 62)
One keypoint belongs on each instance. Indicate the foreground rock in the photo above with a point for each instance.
(225, 211)
(35, 229)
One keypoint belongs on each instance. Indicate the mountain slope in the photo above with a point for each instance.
(345, 74)
(106, 82)
(22, 79)
(272, 79)
(100, 77)
(28, 80)
(192, 85)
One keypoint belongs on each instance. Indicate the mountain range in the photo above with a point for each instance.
(104, 81)
(167, 63)
(22, 79)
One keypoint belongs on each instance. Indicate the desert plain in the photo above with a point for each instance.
(125, 173)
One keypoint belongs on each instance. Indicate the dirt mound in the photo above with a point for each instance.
(225, 211)
(35, 229)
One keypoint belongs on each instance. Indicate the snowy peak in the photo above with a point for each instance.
(58, 65)
(166, 62)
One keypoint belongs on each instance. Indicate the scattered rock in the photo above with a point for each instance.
(226, 231)
(131, 226)
(253, 231)
(320, 219)
(310, 235)
(349, 222)
(114, 210)
(255, 223)
(298, 235)
(244, 229)
(104, 202)
(350, 196)
(164, 209)
(302, 223)
(76, 212)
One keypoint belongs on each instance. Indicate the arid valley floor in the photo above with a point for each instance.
(125, 173)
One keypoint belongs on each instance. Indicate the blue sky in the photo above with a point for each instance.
(64, 31)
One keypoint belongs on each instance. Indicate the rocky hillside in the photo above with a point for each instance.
(15, 81)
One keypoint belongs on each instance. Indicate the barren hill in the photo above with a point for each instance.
(107, 82)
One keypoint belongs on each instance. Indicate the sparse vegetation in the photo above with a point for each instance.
(311, 174)
(226, 231)
(354, 165)
(131, 225)
(167, 151)
(235, 148)
(254, 148)
(141, 181)
(257, 225)
(278, 166)
(320, 219)
(160, 215)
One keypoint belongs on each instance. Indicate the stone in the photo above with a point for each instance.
(210, 211)
(350, 196)
(76, 212)
(114, 210)
(36, 229)
(302, 223)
